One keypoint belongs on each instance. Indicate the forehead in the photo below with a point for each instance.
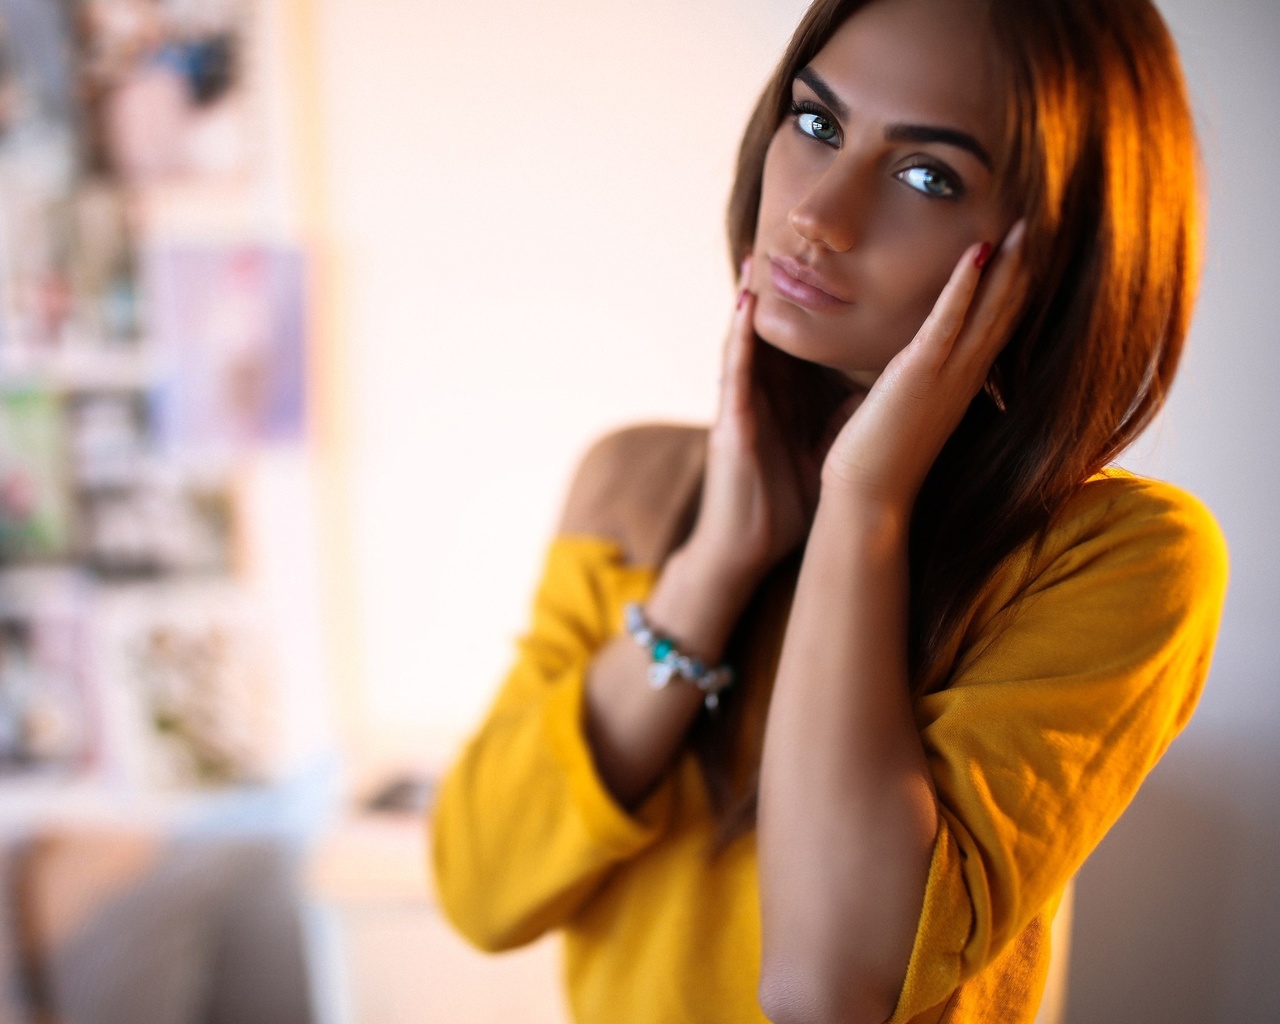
(919, 62)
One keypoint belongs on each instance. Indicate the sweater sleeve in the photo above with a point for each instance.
(1059, 707)
(524, 831)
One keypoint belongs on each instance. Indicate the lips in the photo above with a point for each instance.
(804, 286)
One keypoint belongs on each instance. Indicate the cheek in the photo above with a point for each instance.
(901, 292)
(917, 293)
(782, 185)
(912, 282)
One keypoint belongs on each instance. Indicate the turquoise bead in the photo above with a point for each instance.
(661, 649)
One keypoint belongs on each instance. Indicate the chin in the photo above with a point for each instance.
(797, 333)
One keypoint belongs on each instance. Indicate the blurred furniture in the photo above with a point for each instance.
(113, 927)
(401, 960)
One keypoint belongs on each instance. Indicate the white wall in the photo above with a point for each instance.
(528, 198)
(528, 201)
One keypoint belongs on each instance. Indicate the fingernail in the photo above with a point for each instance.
(984, 254)
(742, 298)
(1016, 234)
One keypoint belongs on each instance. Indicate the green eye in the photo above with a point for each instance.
(931, 181)
(816, 126)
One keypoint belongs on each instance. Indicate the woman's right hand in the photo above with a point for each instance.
(759, 492)
(758, 497)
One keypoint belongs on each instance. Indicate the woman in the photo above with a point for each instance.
(967, 232)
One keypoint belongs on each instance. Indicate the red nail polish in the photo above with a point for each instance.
(984, 254)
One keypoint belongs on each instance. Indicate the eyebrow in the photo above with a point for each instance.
(899, 132)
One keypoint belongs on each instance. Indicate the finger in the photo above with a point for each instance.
(735, 385)
(998, 303)
(739, 353)
(946, 320)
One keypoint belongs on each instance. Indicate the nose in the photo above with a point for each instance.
(831, 214)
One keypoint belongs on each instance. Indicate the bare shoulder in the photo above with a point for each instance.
(638, 486)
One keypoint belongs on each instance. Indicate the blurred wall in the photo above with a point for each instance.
(525, 203)
(525, 206)
(1178, 912)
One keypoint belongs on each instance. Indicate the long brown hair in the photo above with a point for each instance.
(1101, 160)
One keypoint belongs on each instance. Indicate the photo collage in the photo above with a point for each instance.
(138, 370)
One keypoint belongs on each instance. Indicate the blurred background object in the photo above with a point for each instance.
(152, 376)
(121, 928)
(167, 756)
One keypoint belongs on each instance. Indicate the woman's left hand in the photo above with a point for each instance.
(885, 450)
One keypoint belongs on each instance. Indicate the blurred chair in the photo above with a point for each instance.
(112, 928)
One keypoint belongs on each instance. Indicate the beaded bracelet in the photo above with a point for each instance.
(669, 662)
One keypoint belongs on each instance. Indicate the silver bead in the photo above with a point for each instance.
(660, 673)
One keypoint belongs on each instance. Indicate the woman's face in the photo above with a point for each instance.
(876, 183)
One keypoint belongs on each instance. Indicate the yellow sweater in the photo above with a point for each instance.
(1057, 707)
